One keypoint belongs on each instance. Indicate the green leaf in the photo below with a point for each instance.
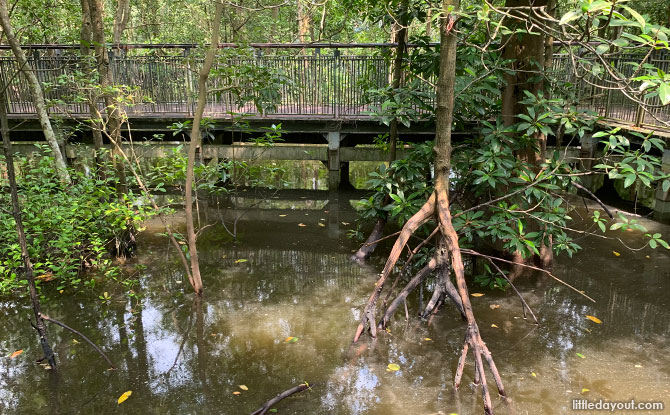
(629, 181)
(636, 16)
(602, 49)
(570, 16)
(664, 93)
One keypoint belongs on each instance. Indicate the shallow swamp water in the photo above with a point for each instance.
(284, 280)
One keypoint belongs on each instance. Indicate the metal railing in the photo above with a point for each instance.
(322, 82)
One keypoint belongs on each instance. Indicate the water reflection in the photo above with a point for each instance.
(181, 356)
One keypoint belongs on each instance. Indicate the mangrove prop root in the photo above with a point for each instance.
(370, 244)
(65, 326)
(419, 218)
(473, 339)
(269, 404)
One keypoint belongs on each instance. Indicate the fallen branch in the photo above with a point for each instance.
(65, 326)
(269, 404)
(590, 193)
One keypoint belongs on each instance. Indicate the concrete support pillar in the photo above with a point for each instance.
(662, 203)
(334, 172)
(587, 154)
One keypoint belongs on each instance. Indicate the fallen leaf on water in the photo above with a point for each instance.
(273, 410)
(533, 374)
(647, 256)
(584, 390)
(322, 219)
(123, 397)
(428, 339)
(237, 393)
(290, 339)
(282, 216)
(61, 291)
(239, 261)
(244, 387)
(616, 253)
(322, 225)
(476, 294)
(594, 319)
(16, 353)
(302, 225)
(580, 355)
(393, 367)
(493, 325)
(638, 366)
(75, 341)
(345, 223)
(494, 306)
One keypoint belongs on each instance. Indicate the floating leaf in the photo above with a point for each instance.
(494, 306)
(584, 390)
(273, 410)
(239, 261)
(594, 319)
(237, 393)
(533, 374)
(393, 367)
(322, 225)
(282, 216)
(244, 387)
(638, 366)
(647, 256)
(75, 341)
(476, 294)
(123, 397)
(494, 326)
(290, 339)
(16, 353)
(616, 253)
(302, 225)
(428, 339)
(345, 223)
(580, 355)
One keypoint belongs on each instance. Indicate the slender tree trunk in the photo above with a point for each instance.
(114, 123)
(120, 20)
(36, 91)
(85, 49)
(195, 142)
(16, 212)
(304, 21)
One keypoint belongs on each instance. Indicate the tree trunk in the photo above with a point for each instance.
(16, 212)
(304, 21)
(195, 142)
(36, 91)
(120, 20)
(113, 126)
(85, 49)
(528, 54)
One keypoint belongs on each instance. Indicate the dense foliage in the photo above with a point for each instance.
(69, 230)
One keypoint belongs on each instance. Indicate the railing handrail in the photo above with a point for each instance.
(128, 46)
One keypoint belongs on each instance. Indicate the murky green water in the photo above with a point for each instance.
(179, 357)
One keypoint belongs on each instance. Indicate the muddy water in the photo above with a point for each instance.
(284, 280)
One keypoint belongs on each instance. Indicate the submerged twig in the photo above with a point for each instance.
(471, 252)
(270, 403)
(65, 326)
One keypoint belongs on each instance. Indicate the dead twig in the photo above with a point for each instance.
(270, 403)
(78, 333)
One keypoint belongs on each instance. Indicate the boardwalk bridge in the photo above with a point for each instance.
(323, 103)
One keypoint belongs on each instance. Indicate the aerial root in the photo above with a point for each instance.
(480, 351)
(369, 314)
